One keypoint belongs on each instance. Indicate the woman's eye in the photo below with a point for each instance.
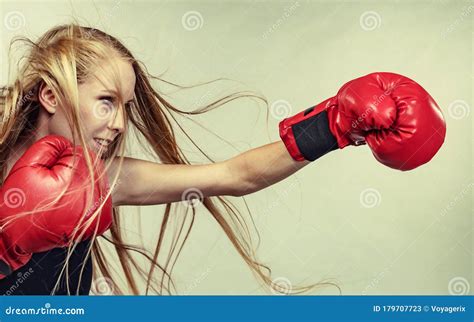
(105, 107)
(107, 99)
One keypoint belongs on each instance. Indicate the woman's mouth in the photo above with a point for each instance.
(101, 144)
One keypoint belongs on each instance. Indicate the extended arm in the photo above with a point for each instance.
(390, 113)
(261, 167)
(148, 183)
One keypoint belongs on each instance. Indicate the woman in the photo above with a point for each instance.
(70, 107)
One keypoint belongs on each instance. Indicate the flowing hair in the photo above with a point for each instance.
(66, 56)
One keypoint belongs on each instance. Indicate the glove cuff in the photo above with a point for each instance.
(307, 135)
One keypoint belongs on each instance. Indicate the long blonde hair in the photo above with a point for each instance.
(64, 57)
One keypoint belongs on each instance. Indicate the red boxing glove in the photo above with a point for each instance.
(394, 115)
(42, 173)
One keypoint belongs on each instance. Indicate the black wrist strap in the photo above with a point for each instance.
(313, 136)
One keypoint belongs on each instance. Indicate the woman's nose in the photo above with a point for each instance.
(117, 122)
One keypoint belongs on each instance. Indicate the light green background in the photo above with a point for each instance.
(417, 239)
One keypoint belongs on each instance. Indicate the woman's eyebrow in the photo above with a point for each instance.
(112, 91)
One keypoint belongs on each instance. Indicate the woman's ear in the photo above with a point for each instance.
(47, 98)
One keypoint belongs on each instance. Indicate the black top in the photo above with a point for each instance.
(41, 273)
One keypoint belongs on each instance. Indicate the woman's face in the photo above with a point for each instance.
(102, 108)
(100, 111)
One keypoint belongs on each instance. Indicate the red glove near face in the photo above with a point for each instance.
(394, 115)
(37, 178)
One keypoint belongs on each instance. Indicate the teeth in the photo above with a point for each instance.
(102, 142)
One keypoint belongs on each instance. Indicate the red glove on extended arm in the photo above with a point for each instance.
(37, 178)
(394, 115)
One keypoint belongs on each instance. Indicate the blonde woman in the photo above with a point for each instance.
(65, 120)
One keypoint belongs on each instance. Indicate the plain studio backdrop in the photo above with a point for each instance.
(373, 229)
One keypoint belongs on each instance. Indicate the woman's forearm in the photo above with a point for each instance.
(263, 166)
